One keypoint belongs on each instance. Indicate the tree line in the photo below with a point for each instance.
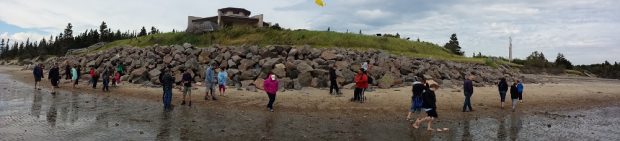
(65, 41)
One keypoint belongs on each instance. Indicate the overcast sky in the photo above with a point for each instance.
(586, 31)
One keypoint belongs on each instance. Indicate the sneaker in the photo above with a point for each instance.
(183, 103)
(214, 98)
(271, 110)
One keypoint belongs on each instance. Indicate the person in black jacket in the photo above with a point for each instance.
(430, 106)
(38, 74)
(468, 91)
(514, 95)
(417, 89)
(167, 82)
(333, 83)
(54, 76)
(503, 88)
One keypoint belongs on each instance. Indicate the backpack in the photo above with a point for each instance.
(418, 102)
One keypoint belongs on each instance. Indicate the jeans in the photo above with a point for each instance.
(467, 103)
(502, 96)
(334, 85)
(106, 83)
(514, 103)
(520, 94)
(94, 83)
(167, 97)
(272, 98)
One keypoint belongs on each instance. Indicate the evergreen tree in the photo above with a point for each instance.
(453, 45)
(154, 30)
(562, 62)
(104, 32)
(142, 32)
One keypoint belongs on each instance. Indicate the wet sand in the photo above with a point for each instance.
(573, 108)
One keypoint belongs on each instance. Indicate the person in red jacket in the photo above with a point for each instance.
(361, 83)
(270, 85)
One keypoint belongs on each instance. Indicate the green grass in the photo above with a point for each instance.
(319, 39)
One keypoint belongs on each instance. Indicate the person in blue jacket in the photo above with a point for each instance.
(209, 82)
(520, 90)
(222, 78)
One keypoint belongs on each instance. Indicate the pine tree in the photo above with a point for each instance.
(453, 45)
(104, 32)
(142, 32)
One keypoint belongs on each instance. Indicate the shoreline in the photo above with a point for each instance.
(565, 94)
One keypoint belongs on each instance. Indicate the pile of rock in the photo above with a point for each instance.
(296, 66)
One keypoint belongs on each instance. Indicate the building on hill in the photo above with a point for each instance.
(226, 17)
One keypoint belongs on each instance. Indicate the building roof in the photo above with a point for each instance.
(236, 10)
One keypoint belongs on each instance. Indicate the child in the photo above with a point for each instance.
(430, 107)
(222, 78)
(106, 79)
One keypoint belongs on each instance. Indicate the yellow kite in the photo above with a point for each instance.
(319, 2)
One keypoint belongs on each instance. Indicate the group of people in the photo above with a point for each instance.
(73, 72)
(424, 99)
(210, 81)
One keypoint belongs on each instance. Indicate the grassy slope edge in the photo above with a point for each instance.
(320, 39)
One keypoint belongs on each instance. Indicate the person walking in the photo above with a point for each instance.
(75, 75)
(361, 83)
(167, 81)
(106, 79)
(514, 95)
(430, 107)
(79, 72)
(38, 74)
(187, 86)
(502, 86)
(416, 98)
(222, 78)
(270, 85)
(67, 71)
(468, 90)
(210, 82)
(520, 90)
(116, 78)
(54, 77)
(333, 83)
(94, 77)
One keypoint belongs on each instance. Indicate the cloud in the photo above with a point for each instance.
(586, 29)
(22, 36)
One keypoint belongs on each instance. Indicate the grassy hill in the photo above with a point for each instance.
(320, 39)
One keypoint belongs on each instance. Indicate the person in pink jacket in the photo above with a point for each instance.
(270, 85)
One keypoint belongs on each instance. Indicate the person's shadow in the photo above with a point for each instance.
(466, 133)
(35, 110)
(501, 131)
(52, 112)
(164, 126)
(269, 125)
(515, 123)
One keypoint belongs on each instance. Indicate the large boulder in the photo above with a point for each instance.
(303, 67)
(286, 83)
(328, 55)
(246, 64)
(259, 83)
(203, 57)
(305, 79)
(280, 72)
(154, 73)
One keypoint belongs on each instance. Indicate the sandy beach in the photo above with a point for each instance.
(312, 113)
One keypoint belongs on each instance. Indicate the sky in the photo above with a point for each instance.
(585, 31)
